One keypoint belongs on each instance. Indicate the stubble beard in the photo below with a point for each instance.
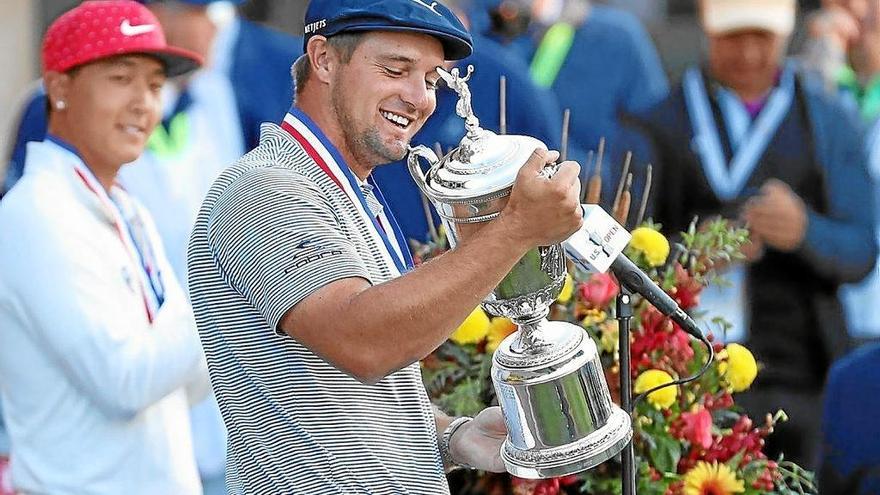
(365, 145)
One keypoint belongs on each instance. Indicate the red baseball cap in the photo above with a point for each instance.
(98, 29)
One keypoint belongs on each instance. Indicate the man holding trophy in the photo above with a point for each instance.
(310, 313)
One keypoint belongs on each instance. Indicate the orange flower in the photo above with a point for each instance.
(712, 479)
(499, 328)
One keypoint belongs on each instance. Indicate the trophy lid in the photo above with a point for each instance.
(484, 163)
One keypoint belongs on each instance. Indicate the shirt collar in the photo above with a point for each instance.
(113, 194)
(52, 138)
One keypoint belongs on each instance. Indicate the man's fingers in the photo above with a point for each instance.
(762, 217)
(775, 186)
(540, 158)
(575, 191)
(769, 228)
(567, 172)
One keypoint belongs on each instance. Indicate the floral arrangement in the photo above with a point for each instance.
(689, 440)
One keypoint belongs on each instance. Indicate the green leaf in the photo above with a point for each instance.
(666, 454)
(733, 462)
(463, 400)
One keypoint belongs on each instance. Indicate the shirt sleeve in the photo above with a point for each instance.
(198, 386)
(72, 308)
(277, 240)
(840, 244)
(648, 84)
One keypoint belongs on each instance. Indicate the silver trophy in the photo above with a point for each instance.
(547, 375)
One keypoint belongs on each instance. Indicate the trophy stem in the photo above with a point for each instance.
(529, 338)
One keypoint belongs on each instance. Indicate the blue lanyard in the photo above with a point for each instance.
(403, 265)
(145, 253)
(140, 242)
(398, 232)
(728, 182)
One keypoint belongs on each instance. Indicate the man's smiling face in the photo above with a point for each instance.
(385, 93)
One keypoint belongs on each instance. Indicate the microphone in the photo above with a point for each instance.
(598, 247)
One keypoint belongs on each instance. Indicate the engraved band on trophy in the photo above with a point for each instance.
(547, 375)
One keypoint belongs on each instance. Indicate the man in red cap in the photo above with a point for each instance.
(209, 119)
(98, 354)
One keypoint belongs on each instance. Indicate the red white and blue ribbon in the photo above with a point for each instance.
(132, 234)
(327, 157)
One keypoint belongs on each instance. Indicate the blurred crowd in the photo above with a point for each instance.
(781, 138)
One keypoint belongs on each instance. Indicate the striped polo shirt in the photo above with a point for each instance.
(273, 229)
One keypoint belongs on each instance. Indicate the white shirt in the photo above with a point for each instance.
(92, 391)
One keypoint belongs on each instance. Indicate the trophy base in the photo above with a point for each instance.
(586, 453)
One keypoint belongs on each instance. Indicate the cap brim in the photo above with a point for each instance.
(177, 61)
(778, 20)
(454, 48)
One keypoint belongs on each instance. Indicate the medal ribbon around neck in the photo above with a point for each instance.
(728, 181)
(319, 148)
(150, 282)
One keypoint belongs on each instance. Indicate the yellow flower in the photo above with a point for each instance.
(711, 479)
(473, 330)
(593, 317)
(499, 328)
(652, 244)
(567, 290)
(662, 398)
(739, 369)
(609, 337)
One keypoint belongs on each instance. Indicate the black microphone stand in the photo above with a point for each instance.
(624, 315)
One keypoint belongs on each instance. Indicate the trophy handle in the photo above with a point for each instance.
(415, 168)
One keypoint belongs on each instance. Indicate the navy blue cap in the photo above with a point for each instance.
(329, 17)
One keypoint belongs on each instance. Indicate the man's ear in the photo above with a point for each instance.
(57, 87)
(322, 58)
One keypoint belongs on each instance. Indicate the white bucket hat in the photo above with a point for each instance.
(725, 16)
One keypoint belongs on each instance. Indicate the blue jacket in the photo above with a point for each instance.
(260, 76)
(850, 463)
(530, 111)
(259, 73)
(32, 125)
(612, 69)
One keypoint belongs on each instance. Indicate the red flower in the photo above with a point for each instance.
(744, 438)
(696, 428)
(598, 291)
(569, 480)
(675, 488)
(552, 486)
(687, 290)
(660, 343)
